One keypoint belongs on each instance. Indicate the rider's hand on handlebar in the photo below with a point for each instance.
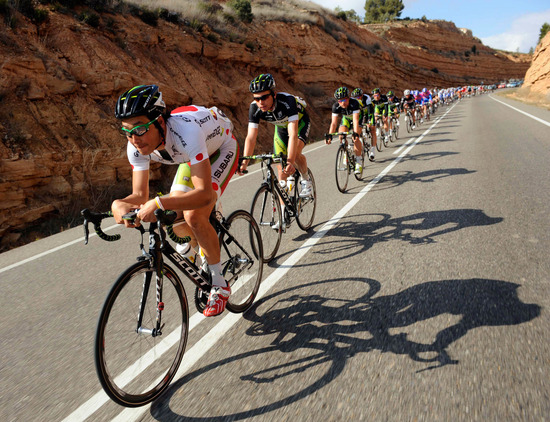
(328, 139)
(147, 212)
(289, 169)
(242, 168)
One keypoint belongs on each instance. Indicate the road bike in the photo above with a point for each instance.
(394, 124)
(409, 121)
(266, 204)
(346, 160)
(380, 133)
(144, 323)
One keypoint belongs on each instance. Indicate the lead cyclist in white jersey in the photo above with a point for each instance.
(201, 142)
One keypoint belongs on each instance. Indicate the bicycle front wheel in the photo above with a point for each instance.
(305, 208)
(241, 259)
(135, 362)
(342, 169)
(266, 210)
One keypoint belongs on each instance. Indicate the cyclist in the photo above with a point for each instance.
(350, 110)
(394, 105)
(366, 119)
(288, 113)
(426, 101)
(409, 104)
(200, 140)
(380, 103)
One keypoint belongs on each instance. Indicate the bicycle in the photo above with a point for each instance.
(409, 121)
(394, 124)
(346, 160)
(141, 334)
(380, 133)
(266, 204)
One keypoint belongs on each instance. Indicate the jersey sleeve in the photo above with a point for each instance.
(253, 115)
(137, 161)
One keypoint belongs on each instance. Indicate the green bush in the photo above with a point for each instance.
(90, 18)
(243, 9)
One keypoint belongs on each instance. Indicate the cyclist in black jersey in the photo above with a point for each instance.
(409, 103)
(288, 113)
(366, 117)
(394, 108)
(350, 110)
(380, 103)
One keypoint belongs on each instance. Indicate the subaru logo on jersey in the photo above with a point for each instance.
(224, 164)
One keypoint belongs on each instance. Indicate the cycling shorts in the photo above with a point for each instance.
(224, 164)
(280, 138)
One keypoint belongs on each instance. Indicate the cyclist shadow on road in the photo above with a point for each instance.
(313, 337)
(422, 228)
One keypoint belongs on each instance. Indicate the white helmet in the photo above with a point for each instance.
(407, 92)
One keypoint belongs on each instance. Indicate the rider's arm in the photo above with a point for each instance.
(292, 143)
(356, 126)
(140, 194)
(249, 146)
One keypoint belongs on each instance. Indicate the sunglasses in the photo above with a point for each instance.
(137, 130)
(341, 100)
(262, 98)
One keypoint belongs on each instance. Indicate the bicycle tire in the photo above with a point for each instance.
(360, 175)
(266, 210)
(341, 169)
(305, 208)
(153, 363)
(241, 259)
(396, 129)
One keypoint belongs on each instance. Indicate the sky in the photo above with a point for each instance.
(501, 24)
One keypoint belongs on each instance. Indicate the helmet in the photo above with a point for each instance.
(390, 93)
(264, 82)
(376, 91)
(342, 92)
(424, 89)
(140, 100)
(407, 92)
(357, 92)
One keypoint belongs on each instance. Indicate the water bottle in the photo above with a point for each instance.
(290, 185)
(187, 251)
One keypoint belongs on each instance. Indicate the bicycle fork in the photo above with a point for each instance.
(157, 331)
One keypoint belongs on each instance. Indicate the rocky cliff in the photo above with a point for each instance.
(537, 79)
(59, 80)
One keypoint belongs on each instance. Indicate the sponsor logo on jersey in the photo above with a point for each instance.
(224, 164)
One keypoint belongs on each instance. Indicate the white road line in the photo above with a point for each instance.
(65, 245)
(544, 122)
(193, 355)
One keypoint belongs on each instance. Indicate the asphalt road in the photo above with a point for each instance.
(421, 294)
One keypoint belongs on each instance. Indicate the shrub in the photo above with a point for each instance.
(243, 9)
(90, 18)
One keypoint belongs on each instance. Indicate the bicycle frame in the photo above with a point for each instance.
(272, 182)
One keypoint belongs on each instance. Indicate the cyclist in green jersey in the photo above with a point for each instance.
(393, 109)
(367, 116)
(350, 110)
(288, 113)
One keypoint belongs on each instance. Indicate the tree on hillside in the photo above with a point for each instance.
(544, 30)
(382, 10)
(347, 15)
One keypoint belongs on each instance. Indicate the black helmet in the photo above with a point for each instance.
(342, 92)
(376, 91)
(390, 93)
(264, 82)
(357, 92)
(140, 100)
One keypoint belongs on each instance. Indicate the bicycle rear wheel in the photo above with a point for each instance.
(135, 368)
(266, 210)
(342, 169)
(305, 208)
(241, 259)
(396, 129)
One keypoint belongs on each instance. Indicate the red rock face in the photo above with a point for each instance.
(537, 78)
(59, 83)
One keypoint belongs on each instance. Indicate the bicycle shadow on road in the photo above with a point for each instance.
(422, 228)
(429, 176)
(314, 336)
